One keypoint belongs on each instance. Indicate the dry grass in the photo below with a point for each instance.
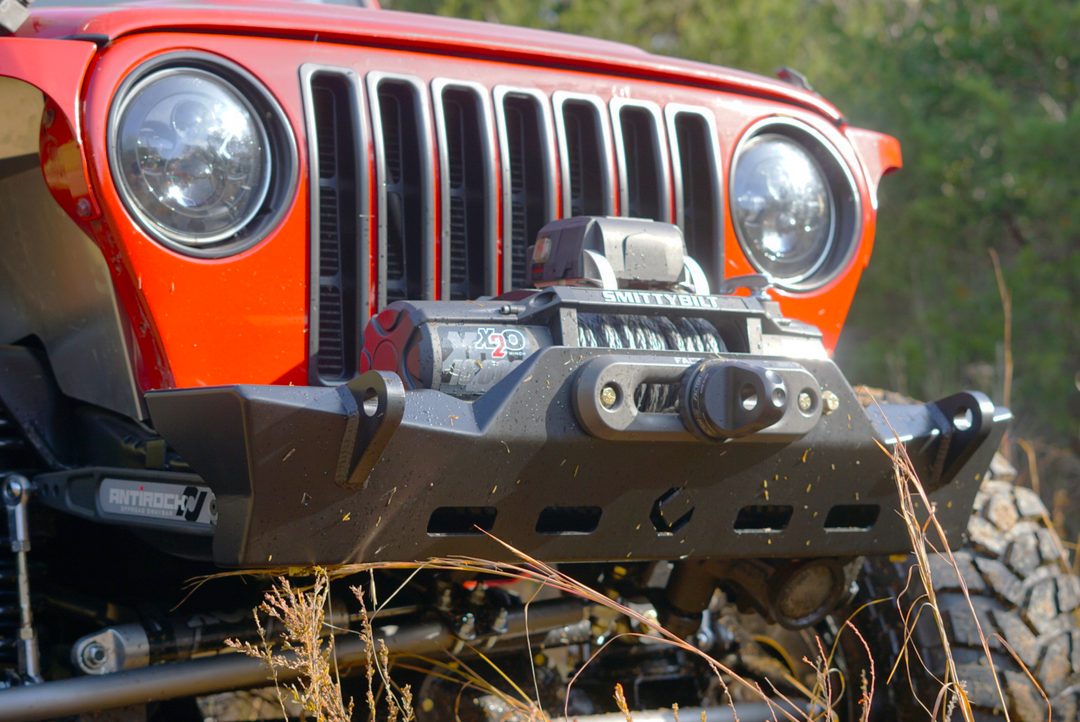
(913, 500)
(1006, 307)
(928, 537)
(301, 613)
(398, 703)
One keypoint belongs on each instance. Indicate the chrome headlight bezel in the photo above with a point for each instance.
(281, 154)
(839, 248)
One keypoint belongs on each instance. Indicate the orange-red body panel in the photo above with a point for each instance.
(880, 155)
(56, 68)
(244, 318)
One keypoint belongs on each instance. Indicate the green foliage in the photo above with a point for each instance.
(981, 95)
(724, 33)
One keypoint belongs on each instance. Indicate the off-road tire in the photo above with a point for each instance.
(1022, 591)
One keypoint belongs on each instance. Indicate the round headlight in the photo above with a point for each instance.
(202, 156)
(194, 157)
(783, 206)
(793, 204)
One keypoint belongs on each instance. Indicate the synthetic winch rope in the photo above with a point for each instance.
(650, 333)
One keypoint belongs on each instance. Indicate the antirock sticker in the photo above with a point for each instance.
(153, 500)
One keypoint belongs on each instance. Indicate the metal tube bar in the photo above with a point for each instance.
(225, 672)
(29, 660)
(747, 712)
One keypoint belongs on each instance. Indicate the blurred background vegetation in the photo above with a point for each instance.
(983, 98)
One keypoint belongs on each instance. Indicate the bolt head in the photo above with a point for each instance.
(95, 655)
(82, 207)
(703, 639)
(466, 626)
(48, 118)
(805, 402)
(831, 401)
(608, 396)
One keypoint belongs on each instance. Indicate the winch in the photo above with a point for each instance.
(653, 298)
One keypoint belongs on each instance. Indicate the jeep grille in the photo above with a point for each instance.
(438, 149)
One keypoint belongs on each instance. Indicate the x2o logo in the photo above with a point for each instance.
(501, 342)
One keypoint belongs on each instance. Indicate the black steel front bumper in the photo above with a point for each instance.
(374, 472)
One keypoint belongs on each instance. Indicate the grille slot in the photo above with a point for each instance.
(460, 120)
(528, 176)
(401, 122)
(326, 128)
(643, 168)
(469, 247)
(584, 145)
(339, 237)
(332, 333)
(698, 189)
(329, 240)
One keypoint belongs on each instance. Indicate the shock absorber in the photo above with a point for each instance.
(130, 646)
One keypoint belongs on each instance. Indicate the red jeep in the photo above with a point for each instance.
(285, 285)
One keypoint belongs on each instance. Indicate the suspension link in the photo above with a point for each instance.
(16, 493)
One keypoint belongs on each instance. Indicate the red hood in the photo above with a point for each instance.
(334, 23)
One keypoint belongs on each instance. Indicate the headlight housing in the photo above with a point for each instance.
(201, 154)
(794, 204)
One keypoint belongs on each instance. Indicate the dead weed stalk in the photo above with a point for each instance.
(301, 614)
(377, 659)
(911, 492)
(918, 514)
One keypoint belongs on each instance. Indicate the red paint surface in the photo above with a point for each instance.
(57, 69)
(880, 154)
